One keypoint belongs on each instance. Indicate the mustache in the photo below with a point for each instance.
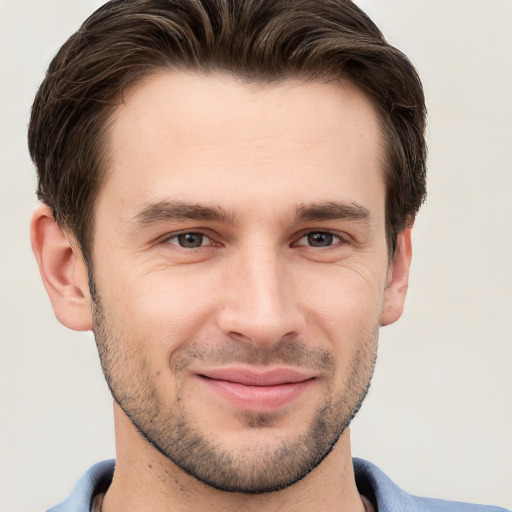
(290, 353)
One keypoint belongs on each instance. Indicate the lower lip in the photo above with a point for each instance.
(258, 398)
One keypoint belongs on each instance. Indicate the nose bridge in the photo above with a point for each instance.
(261, 305)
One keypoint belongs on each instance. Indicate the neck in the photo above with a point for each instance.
(146, 480)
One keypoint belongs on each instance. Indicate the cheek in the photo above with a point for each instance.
(347, 302)
(161, 310)
(345, 316)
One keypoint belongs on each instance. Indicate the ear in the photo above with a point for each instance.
(63, 271)
(398, 279)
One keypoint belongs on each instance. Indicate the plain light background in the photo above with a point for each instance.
(439, 415)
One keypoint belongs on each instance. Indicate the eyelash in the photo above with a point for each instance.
(341, 239)
(175, 237)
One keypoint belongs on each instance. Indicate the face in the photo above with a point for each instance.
(240, 264)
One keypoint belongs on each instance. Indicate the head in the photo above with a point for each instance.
(200, 273)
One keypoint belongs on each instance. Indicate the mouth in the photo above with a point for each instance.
(257, 391)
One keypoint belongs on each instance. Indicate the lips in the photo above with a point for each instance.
(257, 391)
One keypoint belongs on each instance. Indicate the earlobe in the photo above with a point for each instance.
(398, 280)
(63, 271)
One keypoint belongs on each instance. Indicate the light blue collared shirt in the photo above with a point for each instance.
(371, 482)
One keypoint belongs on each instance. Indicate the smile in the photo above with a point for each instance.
(257, 391)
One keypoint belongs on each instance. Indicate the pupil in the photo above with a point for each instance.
(191, 240)
(320, 239)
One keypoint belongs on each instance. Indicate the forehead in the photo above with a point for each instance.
(212, 136)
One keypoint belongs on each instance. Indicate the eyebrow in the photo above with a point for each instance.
(331, 211)
(164, 211)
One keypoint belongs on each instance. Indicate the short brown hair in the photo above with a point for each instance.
(261, 41)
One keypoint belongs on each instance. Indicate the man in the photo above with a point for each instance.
(228, 192)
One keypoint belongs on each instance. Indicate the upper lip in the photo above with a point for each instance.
(253, 377)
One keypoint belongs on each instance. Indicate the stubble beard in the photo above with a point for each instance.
(269, 467)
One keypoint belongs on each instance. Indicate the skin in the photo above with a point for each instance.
(281, 279)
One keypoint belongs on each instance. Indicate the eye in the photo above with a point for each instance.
(189, 240)
(319, 239)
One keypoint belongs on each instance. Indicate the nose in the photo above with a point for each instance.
(260, 303)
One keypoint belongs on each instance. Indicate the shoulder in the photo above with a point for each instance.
(94, 480)
(388, 497)
(436, 505)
